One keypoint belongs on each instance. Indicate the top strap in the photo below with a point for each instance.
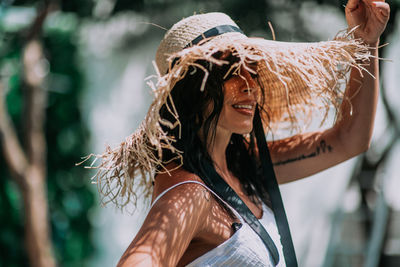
(271, 183)
(206, 187)
(215, 181)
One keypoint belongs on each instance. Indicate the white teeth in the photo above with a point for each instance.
(243, 106)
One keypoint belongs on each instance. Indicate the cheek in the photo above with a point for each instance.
(231, 97)
(231, 90)
(229, 119)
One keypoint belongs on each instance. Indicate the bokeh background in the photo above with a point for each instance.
(72, 80)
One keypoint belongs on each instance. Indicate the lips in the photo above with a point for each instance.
(246, 108)
(243, 106)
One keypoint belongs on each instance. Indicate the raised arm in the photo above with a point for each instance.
(303, 155)
(171, 224)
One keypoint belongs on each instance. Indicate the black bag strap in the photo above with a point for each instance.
(271, 183)
(219, 186)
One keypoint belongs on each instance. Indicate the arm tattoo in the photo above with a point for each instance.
(321, 148)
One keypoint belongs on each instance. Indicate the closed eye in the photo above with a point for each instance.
(254, 75)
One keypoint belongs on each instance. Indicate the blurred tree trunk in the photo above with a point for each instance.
(35, 196)
(28, 166)
(27, 162)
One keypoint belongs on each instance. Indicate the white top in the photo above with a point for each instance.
(244, 247)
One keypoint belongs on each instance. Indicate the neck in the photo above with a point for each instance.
(218, 150)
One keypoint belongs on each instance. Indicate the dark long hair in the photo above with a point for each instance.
(192, 104)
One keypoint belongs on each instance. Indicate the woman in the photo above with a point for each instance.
(213, 90)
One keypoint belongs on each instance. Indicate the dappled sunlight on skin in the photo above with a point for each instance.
(288, 144)
(242, 81)
(304, 155)
(241, 93)
(218, 229)
(183, 224)
(164, 226)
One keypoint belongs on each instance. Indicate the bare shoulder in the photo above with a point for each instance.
(173, 176)
(188, 195)
(172, 222)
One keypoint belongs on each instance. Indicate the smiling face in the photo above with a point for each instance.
(241, 92)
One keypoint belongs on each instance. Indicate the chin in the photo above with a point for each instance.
(246, 129)
(236, 125)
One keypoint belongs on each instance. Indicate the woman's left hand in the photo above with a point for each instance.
(371, 18)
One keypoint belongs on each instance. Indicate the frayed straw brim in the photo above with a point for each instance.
(298, 79)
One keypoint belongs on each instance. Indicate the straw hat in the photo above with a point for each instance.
(297, 78)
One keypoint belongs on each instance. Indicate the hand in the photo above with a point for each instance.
(371, 18)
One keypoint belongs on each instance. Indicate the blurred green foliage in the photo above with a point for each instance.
(69, 195)
(12, 251)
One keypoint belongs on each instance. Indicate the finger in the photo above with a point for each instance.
(370, 2)
(384, 8)
(352, 5)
